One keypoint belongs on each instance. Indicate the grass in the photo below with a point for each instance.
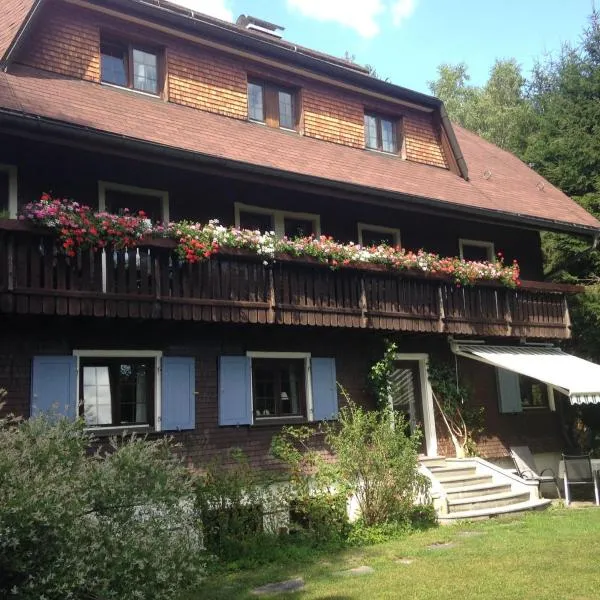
(549, 555)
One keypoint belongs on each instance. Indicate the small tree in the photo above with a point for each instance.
(377, 462)
(463, 421)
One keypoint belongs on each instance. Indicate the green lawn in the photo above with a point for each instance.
(553, 554)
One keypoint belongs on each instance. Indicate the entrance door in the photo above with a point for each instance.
(407, 395)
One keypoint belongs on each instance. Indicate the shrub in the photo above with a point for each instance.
(237, 504)
(377, 462)
(79, 525)
(317, 500)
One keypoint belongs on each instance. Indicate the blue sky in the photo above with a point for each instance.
(407, 39)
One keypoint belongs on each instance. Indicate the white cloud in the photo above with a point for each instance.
(402, 10)
(360, 15)
(213, 8)
(363, 16)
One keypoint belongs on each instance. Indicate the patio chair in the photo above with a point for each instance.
(527, 469)
(578, 471)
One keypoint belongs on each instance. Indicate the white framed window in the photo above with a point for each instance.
(115, 197)
(280, 385)
(8, 190)
(283, 223)
(119, 388)
(476, 250)
(375, 235)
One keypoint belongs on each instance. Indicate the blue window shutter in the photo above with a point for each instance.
(324, 389)
(509, 392)
(54, 386)
(178, 399)
(235, 390)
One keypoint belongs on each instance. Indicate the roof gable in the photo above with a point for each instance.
(13, 17)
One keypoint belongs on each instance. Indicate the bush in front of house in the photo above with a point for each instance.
(239, 506)
(76, 524)
(377, 462)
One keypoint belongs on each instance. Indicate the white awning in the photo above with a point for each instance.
(577, 378)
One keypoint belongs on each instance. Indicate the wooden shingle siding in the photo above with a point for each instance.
(422, 141)
(66, 40)
(207, 82)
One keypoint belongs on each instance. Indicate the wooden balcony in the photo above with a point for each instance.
(148, 283)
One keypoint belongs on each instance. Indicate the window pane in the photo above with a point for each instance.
(97, 398)
(371, 132)
(376, 238)
(256, 221)
(114, 64)
(476, 253)
(3, 192)
(255, 102)
(117, 391)
(534, 393)
(118, 201)
(286, 110)
(388, 136)
(145, 71)
(277, 387)
(298, 227)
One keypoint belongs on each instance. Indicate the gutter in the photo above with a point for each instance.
(19, 38)
(94, 136)
(458, 155)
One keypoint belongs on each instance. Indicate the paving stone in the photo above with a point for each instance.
(362, 570)
(405, 561)
(441, 545)
(470, 533)
(280, 587)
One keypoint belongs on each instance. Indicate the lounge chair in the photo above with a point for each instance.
(527, 469)
(578, 471)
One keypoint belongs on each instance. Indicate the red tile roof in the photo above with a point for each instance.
(499, 182)
(14, 13)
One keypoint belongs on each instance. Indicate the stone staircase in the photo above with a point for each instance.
(472, 488)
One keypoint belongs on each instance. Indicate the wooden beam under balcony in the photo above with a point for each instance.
(235, 287)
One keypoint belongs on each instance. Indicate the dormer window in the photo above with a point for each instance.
(129, 65)
(381, 133)
(273, 105)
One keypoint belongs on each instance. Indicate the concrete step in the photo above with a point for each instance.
(466, 480)
(487, 513)
(433, 461)
(487, 502)
(471, 491)
(444, 473)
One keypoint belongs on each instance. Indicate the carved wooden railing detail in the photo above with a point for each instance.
(236, 287)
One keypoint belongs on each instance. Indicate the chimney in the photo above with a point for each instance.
(261, 27)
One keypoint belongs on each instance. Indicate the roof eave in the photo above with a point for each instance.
(46, 125)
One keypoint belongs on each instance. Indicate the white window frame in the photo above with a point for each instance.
(13, 203)
(156, 354)
(380, 229)
(162, 195)
(306, 356)
(478, 244)
(431, 445)
(278, 217)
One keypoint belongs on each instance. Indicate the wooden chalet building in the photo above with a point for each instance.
(145, 105)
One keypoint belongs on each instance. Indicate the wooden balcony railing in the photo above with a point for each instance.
(149, 283)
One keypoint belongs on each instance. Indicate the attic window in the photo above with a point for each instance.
(476, 250)
(381, 133)
(273, 105)
(130, 65)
